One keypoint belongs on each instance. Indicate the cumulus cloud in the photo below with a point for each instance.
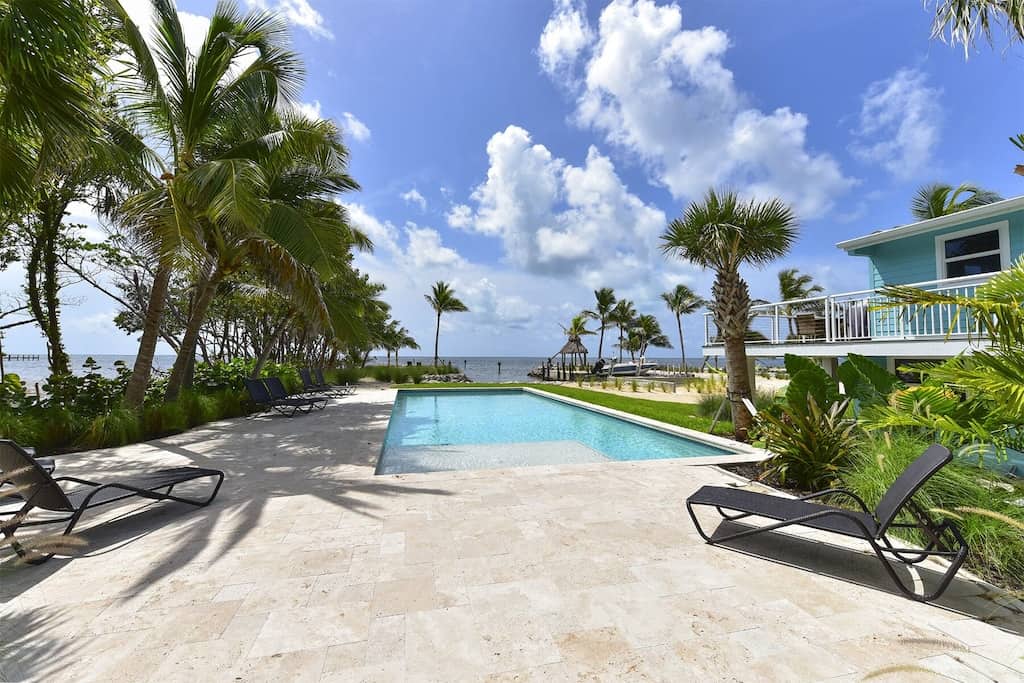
(297, 13)
(383, 234)
(663, 94)
(354, 127)
(413, 196)
(566, 34)
(311, 110)
(900, 120)
(553, 216)
(425, 249)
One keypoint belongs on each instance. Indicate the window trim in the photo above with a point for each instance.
(1002, 227)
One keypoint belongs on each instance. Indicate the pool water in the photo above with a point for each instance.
(474, 429)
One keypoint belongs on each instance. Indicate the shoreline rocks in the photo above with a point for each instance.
(445, 379)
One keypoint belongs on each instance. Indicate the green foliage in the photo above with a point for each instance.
(708, 404)
(118, 427)
(997, 547)
(57, 428)
(808, 446)
(89, 395)
(163, 420)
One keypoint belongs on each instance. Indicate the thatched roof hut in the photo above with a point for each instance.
(574, 347)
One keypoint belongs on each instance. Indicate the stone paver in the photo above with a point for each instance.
(310, 568)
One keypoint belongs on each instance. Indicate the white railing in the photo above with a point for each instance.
(856, 317)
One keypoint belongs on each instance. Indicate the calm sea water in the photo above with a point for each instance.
(34, 372)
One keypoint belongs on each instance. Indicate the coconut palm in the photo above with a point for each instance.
(443, 300)
(49, 110)
(939, 199)
(605, 301)
(622, 315)
(646, 332)
(682, 301)
(794, 285)
(722, 232)
(248, 185)
(963, 22)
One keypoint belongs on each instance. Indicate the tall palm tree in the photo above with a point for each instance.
(939, 199)
(622, 315)
(795, 285)
(576, 329)
(605, 301)
(443, 300)
(645, 332)
(246, 184)
(403, 340)
(722, 232)
(682, 301)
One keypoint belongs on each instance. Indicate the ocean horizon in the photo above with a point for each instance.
(477, 368)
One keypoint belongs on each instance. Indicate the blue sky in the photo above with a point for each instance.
(530, 152)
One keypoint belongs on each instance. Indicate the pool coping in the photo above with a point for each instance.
(741, 453)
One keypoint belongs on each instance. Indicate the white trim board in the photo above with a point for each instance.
(1003, 228)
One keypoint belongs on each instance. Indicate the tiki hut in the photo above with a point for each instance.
(575, 349)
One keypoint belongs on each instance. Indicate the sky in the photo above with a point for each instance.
(530, 152)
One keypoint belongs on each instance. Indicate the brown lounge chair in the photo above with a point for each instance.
(42, 491)
(945, 538)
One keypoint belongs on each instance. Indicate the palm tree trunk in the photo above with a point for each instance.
(184, 363)
(682, 344)
(437, 337)
(265, 354)
(620, 343)
(731, 310)
(135, 392)
(600, 341)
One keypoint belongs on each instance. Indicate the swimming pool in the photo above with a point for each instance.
(457, 429)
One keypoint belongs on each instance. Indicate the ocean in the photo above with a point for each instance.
(477, 368)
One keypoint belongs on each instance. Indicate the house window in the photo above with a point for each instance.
(973, 252)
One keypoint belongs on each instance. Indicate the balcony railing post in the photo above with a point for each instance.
(707, 329)
(828, 320)
(775, 324)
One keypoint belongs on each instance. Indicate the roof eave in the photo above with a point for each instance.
(920, 227)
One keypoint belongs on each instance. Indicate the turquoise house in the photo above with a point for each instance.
(951, 254)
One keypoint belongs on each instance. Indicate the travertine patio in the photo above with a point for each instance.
(308, 567)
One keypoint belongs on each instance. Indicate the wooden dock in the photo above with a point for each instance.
(21, 356)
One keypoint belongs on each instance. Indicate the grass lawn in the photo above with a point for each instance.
(679, 414)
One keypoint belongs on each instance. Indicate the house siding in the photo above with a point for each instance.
(912, 259)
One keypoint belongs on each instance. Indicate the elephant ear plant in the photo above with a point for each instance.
(812, 429)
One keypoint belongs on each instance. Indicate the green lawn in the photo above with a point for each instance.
(679, 414)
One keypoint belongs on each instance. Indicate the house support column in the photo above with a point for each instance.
(752, 374)
(829, 364)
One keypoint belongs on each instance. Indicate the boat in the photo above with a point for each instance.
(629, 368)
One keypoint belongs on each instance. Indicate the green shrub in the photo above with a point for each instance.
(808, 447)
(997, 546)
(23, 428)
(199, 408)
(117, 427)
(163, 420)
(230, 403)
(58, 429)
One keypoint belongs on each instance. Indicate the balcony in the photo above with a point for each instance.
(857, 322)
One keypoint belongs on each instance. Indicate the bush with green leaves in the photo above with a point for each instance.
(808, 446)
(981, 502)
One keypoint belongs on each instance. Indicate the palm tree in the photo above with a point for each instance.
(795, 285)
(682, 301)
(940, 199)
(403, 340)
(645, 332)
(247, 184)
(722, 233)
(622, 315)
(443, 300)
(605, 300)
(964, 21)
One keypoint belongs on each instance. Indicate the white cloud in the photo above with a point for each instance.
(552, 216)
(425, 249)
(900, 118)
(354, 127)
(382, 233)
(298, 13)
(413, 196)
(310, 110)
(566, 34)
(664, 95)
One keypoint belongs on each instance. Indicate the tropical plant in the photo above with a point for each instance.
(722, 233)
(974, 399)
(810, 446)
(622, 315)
(682, 301)
(443, 300)
(646, 332)
(250, 182)
(793, 286)
(940, 199)
(963, 22)
(604, 300)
